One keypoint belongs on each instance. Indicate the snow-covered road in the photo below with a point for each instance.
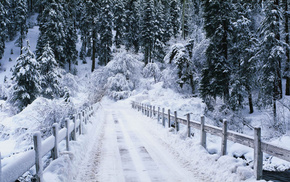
(127, 150)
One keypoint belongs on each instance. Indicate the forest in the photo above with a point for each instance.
(233, 54)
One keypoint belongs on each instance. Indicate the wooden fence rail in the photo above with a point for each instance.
(21, 164)
(255, 142)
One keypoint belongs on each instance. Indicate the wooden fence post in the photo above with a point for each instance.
(54, 151)
(74, 132)
(148, 110)
(163, 117)
(151, 111)
(175, 122)
(258, 154)
(81, 126)
(188, 125)
(38, 158)
(154, 111)
(168, 118)
(158, 115)
(0, 169)
(67, 133)
(202, 132)
(84, 117)
(224, 138)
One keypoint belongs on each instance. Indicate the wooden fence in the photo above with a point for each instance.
(255, 142)
(13, 170)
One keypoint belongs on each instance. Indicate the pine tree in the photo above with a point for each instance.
(241, 50)
(147, 30)
(216, 74)
(86, 22)
(26, 78)
(49, 73)
(52, 30)
(119, 19)
(270, 53)
(132, 25)
(3, 28)
(20, 21)
(11, 13)
(105, 33)
(70, 33)
(174, 17)
(287, 41)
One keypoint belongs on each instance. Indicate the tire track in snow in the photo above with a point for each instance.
(140, 161)
(89, 167)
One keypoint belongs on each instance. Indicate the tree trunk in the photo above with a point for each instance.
(274, 111)
(279, 76)
(21, 39)
(183, 14)
(250, 101)
(287, 91)
(94, 51)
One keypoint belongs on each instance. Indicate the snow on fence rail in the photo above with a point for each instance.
(13, 170)
(253, 142)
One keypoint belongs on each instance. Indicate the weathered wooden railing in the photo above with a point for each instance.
(253, 142)
(13, 170)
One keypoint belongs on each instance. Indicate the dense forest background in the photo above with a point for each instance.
(233, 54)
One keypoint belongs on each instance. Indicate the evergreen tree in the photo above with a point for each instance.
(105, 32)
(26, 78)
(119, 19)
(174, 16)
(159, 32)
(3, 28)
(86, 22)
(52, 29)
(270, 53)
(20, 21)
(49, 73)
(70, 33)
(147, 30)
(287, 41)
(132, 25)
(241, 50)
(216, 74)
(11, 26)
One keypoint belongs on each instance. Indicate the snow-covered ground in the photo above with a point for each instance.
(124, 145)
(121, 144)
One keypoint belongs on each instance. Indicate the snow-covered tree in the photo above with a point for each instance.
(147, 30)
(119, 19)
(119, 77)
(105, 33)
(180, 69)
(270, 53)
(52, 30)
(3, 28)
(50, 74)
(26, 79)
(21, 14)
(132, 25)
(174, 17)
(215, 80)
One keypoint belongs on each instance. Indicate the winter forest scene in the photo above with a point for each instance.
(144, 90)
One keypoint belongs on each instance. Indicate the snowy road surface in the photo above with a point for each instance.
(126, 150)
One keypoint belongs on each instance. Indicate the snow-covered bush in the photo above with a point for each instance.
(119, 87)
(152, 70)
(118, 78)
